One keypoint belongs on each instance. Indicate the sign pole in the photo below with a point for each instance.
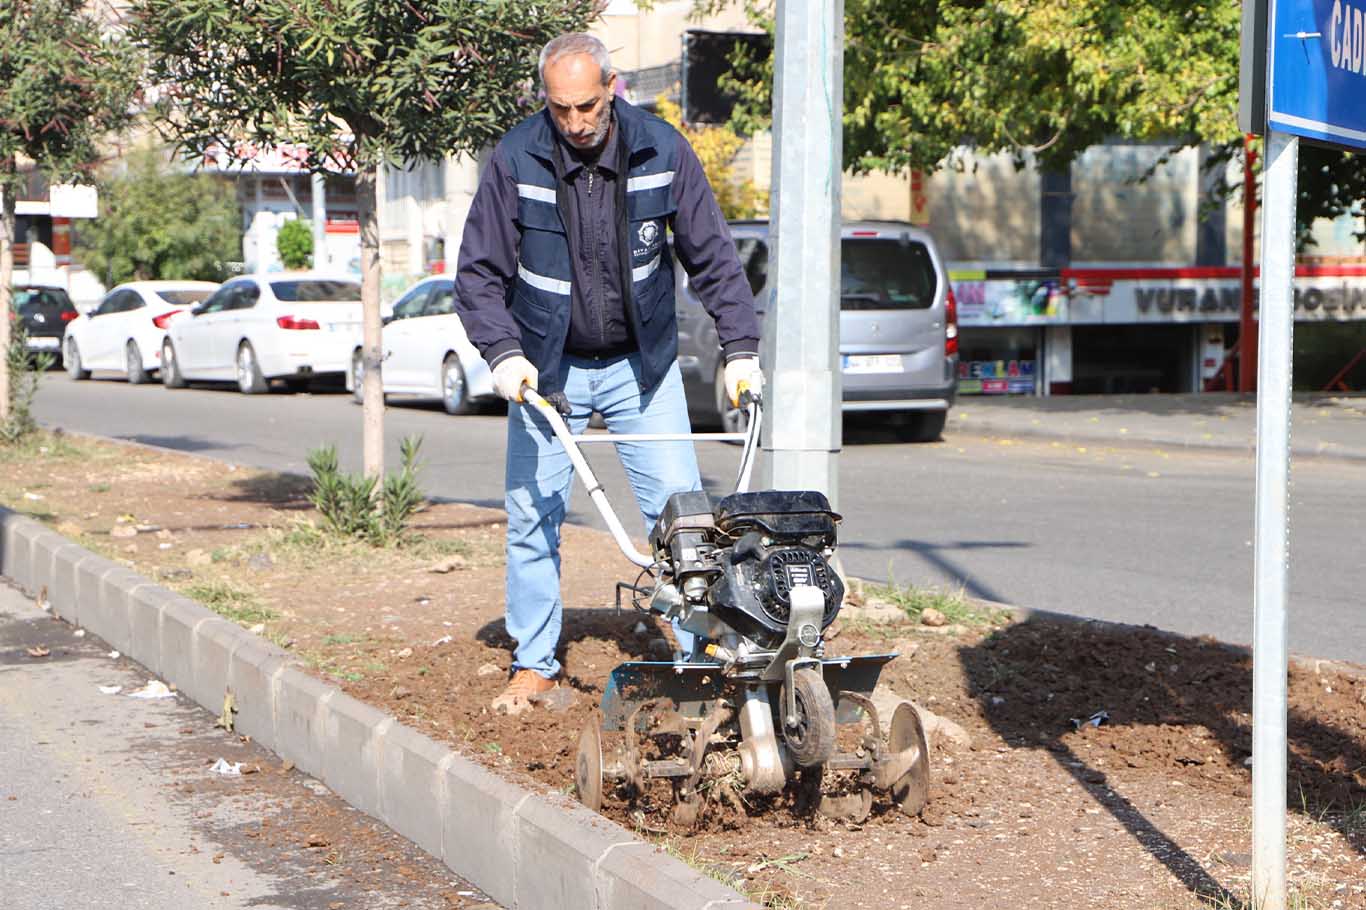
(1247, 323)
(801, 328)
(1272, 554)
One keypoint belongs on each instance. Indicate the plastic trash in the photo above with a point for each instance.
(1095, 720)
(227, 770)
(110, 690)
(114, 655)
(155, 688)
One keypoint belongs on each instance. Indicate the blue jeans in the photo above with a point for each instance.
(540, 478)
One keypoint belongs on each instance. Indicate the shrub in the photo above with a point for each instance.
(25, 372)
(354, 505)
(295, 244)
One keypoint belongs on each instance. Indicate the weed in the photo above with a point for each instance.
(99, 488)
(423, 671)
(493, 748)
(352, 676)
(343, 638)
(364, 508)
(230, 602)
(730, 875)
(25, 372)
(42, 445)
(375, 666)
(953, 603)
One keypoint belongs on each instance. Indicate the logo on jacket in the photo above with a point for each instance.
(649, 232)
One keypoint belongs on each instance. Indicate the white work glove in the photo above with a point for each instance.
(509, 375)
(743, 373)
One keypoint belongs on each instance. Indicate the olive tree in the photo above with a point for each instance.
(67, 79)
(359, 84)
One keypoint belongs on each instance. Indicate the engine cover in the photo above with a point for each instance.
(785, 568)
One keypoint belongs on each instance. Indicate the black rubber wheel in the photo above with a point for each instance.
(812, 739)
(72, 359)
(357, 378)
(137, 373)
(455, 391)
(249, 378)
(171, 376)
(922, 426)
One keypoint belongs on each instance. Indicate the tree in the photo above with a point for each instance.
(716, 148)
(64, 84)
(1040, 79)
(294, 242)
(358, 84)
(155, 224)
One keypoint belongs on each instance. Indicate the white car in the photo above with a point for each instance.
(426, 353)
(294, 326)
(124, 332)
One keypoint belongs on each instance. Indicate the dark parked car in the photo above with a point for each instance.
(45, 313)
(898, 329)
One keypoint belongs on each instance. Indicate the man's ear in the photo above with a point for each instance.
(611, 83)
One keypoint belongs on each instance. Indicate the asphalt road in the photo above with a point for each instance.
(109, 801)
(1135, 535)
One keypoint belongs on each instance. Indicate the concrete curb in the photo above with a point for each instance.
(525, 850)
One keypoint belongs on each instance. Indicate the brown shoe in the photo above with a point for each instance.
(525, 685)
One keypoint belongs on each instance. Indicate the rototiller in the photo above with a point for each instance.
(758, 705)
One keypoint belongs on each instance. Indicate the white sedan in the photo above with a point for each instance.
(294, 326)
(124, 333)
(426, 352)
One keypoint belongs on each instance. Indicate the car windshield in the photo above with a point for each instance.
(185, 298)
(29, 300)
(886, 274)
(313, 291)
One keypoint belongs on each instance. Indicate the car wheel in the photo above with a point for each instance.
(137, 373)
(171, 376)
(921, 426)
(732, 419)
(455, 391)
(72, 358)
(357, 378)
(249, 378)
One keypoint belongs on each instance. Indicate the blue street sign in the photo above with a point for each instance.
(1318, 70)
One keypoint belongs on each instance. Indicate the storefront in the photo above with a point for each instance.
(1139, 330)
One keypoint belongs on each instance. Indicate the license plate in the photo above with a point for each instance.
(53, 343)
(872, 363)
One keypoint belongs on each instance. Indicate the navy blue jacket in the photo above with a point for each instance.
(514, 287)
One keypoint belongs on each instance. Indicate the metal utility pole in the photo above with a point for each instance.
(801, 329)
(320, 258)
(1271, 556)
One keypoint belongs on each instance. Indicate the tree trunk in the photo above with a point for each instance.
(372, 412)
(6, 279)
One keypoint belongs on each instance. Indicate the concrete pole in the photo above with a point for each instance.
(1271, 555)
(803, 434)
(321, 260)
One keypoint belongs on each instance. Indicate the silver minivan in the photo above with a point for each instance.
(898, 328)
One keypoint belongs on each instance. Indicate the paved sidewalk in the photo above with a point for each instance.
(1322, 425)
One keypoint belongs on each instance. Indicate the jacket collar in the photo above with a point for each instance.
(630, 120)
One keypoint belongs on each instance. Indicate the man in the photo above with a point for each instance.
(566, 283)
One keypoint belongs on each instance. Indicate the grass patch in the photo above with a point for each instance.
(956, 606)
(45, 445)
(343, 638)
(231, 602)
(733, 877)
(99, 488)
